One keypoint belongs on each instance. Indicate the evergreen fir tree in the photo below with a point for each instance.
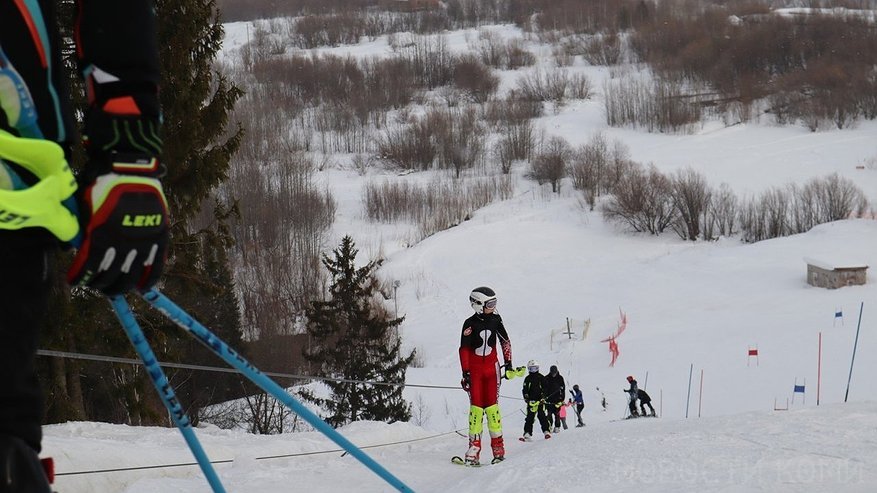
(353, 343)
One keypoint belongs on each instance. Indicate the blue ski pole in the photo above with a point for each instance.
(165, 391)
(230, 356)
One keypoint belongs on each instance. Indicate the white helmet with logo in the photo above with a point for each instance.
(481, 298)
(532, 366)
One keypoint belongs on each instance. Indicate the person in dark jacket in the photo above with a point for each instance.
(555, 393)
(533, 391)
(479, 362)
(579, 402)
(633, 395)
(645, 401)
(122, 211)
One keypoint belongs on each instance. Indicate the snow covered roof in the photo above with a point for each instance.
(838, 264)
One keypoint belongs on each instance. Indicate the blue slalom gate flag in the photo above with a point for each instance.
(799, 389)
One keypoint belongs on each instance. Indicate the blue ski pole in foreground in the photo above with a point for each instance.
(165, 391)
(230, 356)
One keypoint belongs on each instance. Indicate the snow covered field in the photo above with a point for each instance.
(692, 309)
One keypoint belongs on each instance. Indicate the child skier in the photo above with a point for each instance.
(481, 371)
(633, 395)
(561, 412)
(579, 402)
(533, 391)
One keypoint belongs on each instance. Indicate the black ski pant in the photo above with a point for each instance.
(531, 416)
(554, 413)
(25, 272)
(632, 405)
(643, 404)
(579, 408)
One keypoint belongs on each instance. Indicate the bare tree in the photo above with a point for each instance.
(691, 198)
(475, 79)
(721, 214)
(643, 200)
(267, 416)
(550, 164)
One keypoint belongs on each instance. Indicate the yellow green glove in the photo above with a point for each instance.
(511, 373)
(39, 205)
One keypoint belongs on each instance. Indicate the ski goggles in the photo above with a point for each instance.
(491, 303)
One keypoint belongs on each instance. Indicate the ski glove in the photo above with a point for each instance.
(511, 373)
(123, 210)
(466, 382)
(125, 225)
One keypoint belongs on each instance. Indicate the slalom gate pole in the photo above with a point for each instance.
(233, 358)
(165, 391)
(855, 345)
(819, 369)
(688, 399)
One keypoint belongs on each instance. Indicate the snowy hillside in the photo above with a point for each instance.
(693, 309)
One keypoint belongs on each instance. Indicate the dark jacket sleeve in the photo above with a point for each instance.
(120, 39)
(504, 343)
(464, 347)
(117, 54)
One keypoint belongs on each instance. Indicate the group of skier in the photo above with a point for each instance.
(635, 393)
(544, 395)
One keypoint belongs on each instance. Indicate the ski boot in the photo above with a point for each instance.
(20, 469)
(527, 437)
(497, 446)
(547, 435)
(474, 452)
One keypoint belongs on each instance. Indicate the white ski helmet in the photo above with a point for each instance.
(482, 297)
(532, 366)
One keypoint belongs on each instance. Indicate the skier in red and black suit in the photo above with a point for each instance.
(117, 54)
(481, 371)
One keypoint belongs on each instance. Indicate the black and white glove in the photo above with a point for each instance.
(466, 381)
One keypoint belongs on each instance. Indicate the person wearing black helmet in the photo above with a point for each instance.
(579, 401)
(479, 362)
(555, 393)
(633, 395)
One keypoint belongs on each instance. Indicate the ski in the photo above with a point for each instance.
(631, 417)
(460, 462)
